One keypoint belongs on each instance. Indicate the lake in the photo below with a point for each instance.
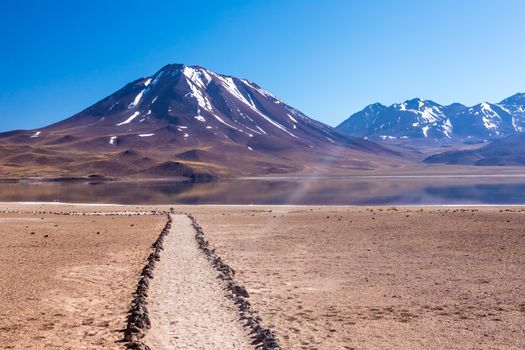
(357, 190)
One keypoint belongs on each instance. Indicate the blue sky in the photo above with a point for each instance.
(326, 58)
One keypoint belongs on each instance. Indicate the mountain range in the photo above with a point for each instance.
(487, 134)
(188, 121)
(418, 119)
(192, 122)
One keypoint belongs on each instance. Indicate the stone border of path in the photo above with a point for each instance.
(138, 317)
(262, 338)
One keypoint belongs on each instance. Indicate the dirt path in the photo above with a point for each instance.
(187, 303)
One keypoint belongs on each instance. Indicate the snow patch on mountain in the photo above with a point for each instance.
(196, 93)
(199, 77)
(137, 99)
(130, 119)
(489, 117)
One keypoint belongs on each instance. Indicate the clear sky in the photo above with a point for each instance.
(326, 58)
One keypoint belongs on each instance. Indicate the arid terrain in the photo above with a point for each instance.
(67, 280)
(404, 278)
(320, 277)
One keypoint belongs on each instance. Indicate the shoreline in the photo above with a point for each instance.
(513, 173)
(267, 205)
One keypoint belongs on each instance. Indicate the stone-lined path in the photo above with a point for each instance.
(187, 304)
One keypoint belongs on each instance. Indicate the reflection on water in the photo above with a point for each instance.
(327, 191)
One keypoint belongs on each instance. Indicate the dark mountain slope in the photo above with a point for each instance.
(507, 151)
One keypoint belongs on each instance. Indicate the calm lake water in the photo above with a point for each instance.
(327, 191)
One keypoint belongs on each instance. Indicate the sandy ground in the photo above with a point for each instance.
(66, 281)
(322, 277)
(378, 278)
(187, 304)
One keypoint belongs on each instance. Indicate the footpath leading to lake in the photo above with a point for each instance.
(186, 301)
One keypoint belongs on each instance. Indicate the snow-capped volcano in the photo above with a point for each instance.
(425, 119)
(194, 104)
(193, 116)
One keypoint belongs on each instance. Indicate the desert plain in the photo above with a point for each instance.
(320, 277)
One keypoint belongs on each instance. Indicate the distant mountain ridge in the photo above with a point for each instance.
(506, 151)
(418, 119)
